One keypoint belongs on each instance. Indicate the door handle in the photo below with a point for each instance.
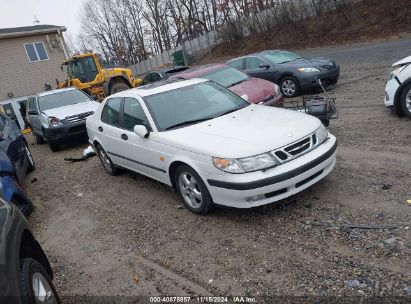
(124, 136)
(100, 129)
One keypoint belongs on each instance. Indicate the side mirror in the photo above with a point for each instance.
(264, 66)
(141, 131)
(32, 112)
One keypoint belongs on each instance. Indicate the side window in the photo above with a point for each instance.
(237, 63)
(111, 112)
(32, 105)
(155, 77)
(148, 78)
(253, 63)
(133, 114)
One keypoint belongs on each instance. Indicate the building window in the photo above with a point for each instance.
(36, 51)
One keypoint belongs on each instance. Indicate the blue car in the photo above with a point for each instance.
(15, 161)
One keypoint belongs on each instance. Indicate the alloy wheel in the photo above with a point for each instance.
(190, 190)
(105, 160)
(288, 87)
(43, 293)
(408, 100)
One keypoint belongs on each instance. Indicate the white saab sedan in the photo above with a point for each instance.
(211, 145)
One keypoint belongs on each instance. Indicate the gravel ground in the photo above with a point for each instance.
(130, 235)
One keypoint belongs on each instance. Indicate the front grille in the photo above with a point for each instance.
(78, 128)
(296, 149)
(79, 117)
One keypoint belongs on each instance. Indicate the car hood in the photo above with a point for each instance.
(253, 130)
(403, 61)
(255, 89)
(75, 109)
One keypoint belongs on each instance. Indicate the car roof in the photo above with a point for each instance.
(157, 88)
(201, 70)
(45, 93)
(257, 54)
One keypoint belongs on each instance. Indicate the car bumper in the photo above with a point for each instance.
(277, 101)
(391, 88)
(65, 131)
(309, 80)
(260, 188)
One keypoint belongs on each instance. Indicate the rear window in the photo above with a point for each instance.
(176, 70)
(61, 99)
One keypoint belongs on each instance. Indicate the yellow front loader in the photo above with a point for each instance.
(85, 73)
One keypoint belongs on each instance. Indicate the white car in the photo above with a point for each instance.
(58, 115)
(210, 144)
(398, 88)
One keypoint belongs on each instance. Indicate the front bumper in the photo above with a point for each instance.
(391, 88)
(260, 188)
(308, 81)
(277, 101)
(65, 131)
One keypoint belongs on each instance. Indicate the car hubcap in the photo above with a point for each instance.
(288, 87)
(29, 156)
(42, 290)
(105, 160)
(190, 190)
(408, 101)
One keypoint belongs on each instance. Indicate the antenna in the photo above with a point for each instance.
(36, 20)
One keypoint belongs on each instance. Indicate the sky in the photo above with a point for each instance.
(15, 13)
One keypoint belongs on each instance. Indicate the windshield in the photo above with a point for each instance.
(282, 56)
(226, 77)
(61, 99)
(191, 104)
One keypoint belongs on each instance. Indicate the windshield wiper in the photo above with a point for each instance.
(235, 83)
(188, 122)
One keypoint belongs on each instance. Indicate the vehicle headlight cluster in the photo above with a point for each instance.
(262, 161)
(321, 133)
(396, 72)
(308, 70)
(247, 164)
(276, 89)
(54, 121)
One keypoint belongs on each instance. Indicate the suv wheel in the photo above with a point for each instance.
(405, 101)
(38, 139)
(35, 284)
(31, 166)
(192, 189)
(106, 161)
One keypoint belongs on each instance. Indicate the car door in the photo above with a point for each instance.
(34, 116)
(109, 129)
(257, 67)
(11, 143)
(140, 154)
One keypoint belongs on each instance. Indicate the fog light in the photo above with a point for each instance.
(254, 198)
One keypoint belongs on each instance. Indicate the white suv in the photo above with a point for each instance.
(210, 144)
(398, 88)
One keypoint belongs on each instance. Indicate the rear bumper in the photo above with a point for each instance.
(65, 131)
(246, 191)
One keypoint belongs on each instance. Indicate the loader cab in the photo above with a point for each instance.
(83, 68)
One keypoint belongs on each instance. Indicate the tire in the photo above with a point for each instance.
(54, 146)
(37, 138)
(405, 101)
(32, 277)
(192, 190)
(118, 87)
(108, 165)
(32, 164)
(289, 86)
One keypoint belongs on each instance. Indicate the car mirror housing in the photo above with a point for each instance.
(32, 112)
(141, 131)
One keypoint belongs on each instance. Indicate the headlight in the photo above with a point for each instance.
(247, 164)
(258, 162)
(227, 165)
(396, 71)
(54, 122)
(321, 134)
(308, 70)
